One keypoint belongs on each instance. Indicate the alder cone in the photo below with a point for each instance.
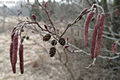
(99, 37)
(52, 51)
(53, 42)
(47, 37)
(86, 25)
(62, 41)
(21, 58)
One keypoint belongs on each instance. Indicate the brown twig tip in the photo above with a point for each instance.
(21, 58)
(86, 25)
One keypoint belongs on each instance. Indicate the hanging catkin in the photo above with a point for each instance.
(21, 58)
(99, 37)
(93, 41)
(14, 54)
(86, 24)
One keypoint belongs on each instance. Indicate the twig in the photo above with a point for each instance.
(103, 57)
(92, 64)
(47, 15)
(75, 21)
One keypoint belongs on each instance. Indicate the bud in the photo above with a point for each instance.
(45, 4)
(62, 41)
(53, 42)
(45, 26)
(47, 37)
(34, 17)
(66, 46)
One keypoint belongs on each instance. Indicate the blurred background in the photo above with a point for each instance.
(38, 64)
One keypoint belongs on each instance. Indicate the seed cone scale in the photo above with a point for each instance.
(62, 41)
(47, 37)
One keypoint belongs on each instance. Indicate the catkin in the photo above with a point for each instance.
(86, 25)
(14, 54)
(99, 37)
(93, 41)
(21, 58)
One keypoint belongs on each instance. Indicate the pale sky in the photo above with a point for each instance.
(11, 3)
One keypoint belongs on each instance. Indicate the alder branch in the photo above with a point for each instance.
(78, 50)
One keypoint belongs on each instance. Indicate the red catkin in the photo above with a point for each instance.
(86, 24)
(114, 47)
(99, 37)
(93, 41)
(21, 58)
(14, 54)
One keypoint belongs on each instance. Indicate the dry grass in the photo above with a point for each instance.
(39, 66)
